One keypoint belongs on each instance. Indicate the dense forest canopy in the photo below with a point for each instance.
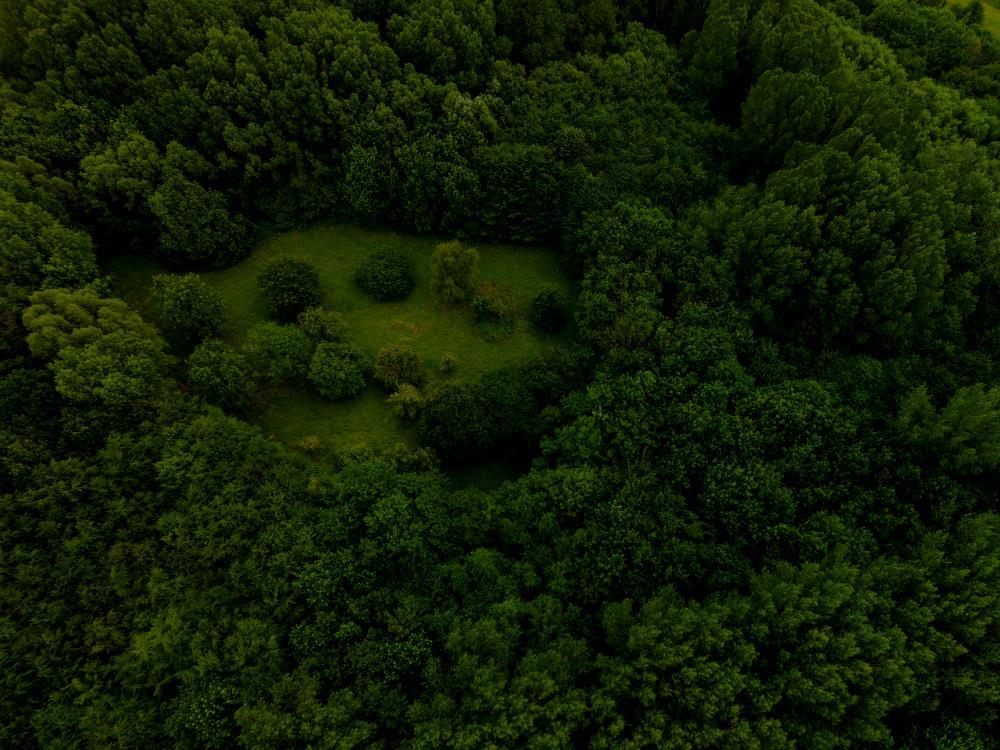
(762, 508)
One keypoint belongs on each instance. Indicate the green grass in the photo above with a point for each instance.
(419, 321)
(991, 18)
(991, 14)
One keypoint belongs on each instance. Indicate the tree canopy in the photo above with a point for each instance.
(749, 498)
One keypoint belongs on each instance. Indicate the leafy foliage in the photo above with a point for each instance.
(189, 310)
(60, 318)
(279, 352)
(338, 371)
(398, 365)
(221, 375)
(548, 311)
(289, 287)
(754, 505)
(321, 324)
(494, 304)
(385, 275)
(454, 272)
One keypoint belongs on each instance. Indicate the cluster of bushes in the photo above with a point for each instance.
(307, 343)
(501, 413)
(455, 279)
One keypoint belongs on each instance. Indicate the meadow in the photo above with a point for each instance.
(294, 413)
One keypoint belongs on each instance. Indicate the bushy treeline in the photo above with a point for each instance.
(763, 506)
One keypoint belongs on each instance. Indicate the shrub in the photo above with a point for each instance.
(309, 444)
(385, 275)
(289, 286)
(454, 271)
(398, 365)
(279, 352)
(221, 375)
(448, 363)
(189, 311)
(406, 402)
(321, 324)
(338, 371)
(548, 311)
(494, 303)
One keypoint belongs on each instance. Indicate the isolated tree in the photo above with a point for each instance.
(188, 309)
(454, 272)
(321, 324)
(385, 275)
(289, 286)
(397, 365)
(338, 371)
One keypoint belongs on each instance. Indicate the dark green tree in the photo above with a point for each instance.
(398, 365)
(385, 275)
(338, 371)
(188, 309)
(289, 287)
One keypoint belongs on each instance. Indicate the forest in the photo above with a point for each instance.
(540, 374)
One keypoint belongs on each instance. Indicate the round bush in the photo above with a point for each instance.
(454, 272)
(338, 371)
(398, 365)
(385, 275)
(548, 311)
(289, 287)
(321, 324)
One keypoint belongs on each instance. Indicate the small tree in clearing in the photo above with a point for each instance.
(289, 287)
(406, 402)
(454, 272)
(396, 365)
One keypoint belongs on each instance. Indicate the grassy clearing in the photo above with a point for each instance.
(419, 321)
(991, 18)
(991, 14)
